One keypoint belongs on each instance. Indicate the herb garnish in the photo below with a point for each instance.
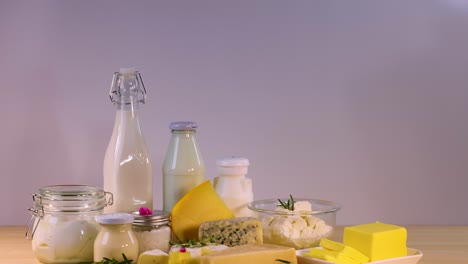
(192, 243)
(111, 261)
(283, 261)
(289, 204)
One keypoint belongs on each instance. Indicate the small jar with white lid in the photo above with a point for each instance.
(153, 230)
(116, 237)
(62, 227)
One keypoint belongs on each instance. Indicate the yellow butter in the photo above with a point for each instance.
(377, 240)
(155, 256)
(343, 249)
(332, 256)
(251, 253)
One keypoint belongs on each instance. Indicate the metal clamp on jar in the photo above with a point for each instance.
(62, 226)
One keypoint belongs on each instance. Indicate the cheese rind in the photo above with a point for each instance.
(251, 253)
(232, 232)
(377, 240)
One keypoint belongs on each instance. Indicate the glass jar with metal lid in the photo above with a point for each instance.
(153, 230)
(62, 226)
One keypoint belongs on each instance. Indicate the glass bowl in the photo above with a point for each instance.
(298, 229)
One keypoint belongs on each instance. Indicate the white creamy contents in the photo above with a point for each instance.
(127, 167)
(183, 167)
(233, 186)
(60, 239)
(298, 231)
(154, 239)
(113, 240)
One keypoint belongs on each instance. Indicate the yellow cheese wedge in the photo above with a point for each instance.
(202, 204)
(191, 255)
(155, 256)
(177, 257)
(343, 249)
(377, 240)
(251, 253)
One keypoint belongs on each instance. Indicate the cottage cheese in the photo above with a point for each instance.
(298, 231)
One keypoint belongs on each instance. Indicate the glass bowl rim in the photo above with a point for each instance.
(334, 207)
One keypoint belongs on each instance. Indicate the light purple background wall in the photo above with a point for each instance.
(360, 102)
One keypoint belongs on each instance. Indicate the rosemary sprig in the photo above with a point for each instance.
(111, 261)
(289, 204)
(283, 261)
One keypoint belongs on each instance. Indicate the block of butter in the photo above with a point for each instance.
(252, 253)
(377, 240)
(155, 256)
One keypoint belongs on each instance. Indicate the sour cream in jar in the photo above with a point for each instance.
(116, 237)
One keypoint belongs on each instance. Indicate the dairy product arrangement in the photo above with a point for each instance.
(204, 221)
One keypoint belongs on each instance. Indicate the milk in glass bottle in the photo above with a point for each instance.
(127, 166)
(183, 167)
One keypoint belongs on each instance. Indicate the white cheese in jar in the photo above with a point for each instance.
(154, 239)
(152, 229)
(62, 239)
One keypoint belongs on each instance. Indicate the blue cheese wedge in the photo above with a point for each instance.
(232, 232)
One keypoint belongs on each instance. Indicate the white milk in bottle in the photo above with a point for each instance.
(127, 166)
(183, 167)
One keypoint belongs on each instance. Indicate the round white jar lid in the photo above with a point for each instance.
(115, 219)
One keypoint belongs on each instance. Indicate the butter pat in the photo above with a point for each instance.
(344, 250)
(232, 232)
(251, 253)
(155, 256)
(332, 256)
(377, 240)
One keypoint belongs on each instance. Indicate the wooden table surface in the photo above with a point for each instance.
(439, 244)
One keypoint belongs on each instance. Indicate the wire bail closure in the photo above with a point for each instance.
(37, 212)
(116, 81)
